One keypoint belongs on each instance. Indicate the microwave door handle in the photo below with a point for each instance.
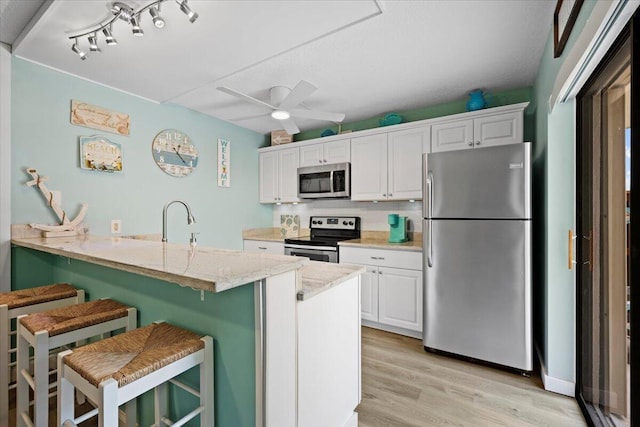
(331, 182)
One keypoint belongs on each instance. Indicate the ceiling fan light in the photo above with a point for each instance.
(108, 37)
(93, 43)
(280, 114)
(157, 19)
(187, 11)
(78, 51)
(137, 31)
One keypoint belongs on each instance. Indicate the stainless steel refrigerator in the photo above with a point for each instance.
(477, 254)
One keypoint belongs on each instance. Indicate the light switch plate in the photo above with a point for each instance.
(116, 226)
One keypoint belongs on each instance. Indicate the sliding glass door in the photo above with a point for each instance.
(604, 242)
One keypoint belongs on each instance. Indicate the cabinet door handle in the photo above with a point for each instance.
(384, 195)
(378, 257)
(470, 143)
(262, 248)
(477, 142)
(390, 194)
(325, 160)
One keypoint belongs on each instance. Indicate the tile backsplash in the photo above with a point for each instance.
(374, 215)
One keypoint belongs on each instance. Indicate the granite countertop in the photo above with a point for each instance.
(317, 277)
(201, 268)
(273, 234)
(379, 240)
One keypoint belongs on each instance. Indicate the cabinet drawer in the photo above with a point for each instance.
(264, 246)
(411, 260)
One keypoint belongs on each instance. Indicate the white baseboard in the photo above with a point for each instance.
(555, 385)
(352, 421)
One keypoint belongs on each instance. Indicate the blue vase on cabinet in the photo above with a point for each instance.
(476, 100)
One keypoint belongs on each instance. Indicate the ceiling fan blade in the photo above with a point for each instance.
(247, 98)
(298, 94)
(290, 126)
(317, 115)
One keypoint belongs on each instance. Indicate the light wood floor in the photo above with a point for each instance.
(402, 386)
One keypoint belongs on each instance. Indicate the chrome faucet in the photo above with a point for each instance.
(190, 218)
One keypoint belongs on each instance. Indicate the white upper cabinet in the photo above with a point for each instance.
(489, 130)
(388, 166)
(369, 167)
(325, 152)
(279, 176)
(405, 149)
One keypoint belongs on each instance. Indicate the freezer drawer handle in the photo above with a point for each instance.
(378, 257)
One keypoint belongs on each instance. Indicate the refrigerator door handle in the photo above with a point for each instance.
(429, 214)
(430, 243)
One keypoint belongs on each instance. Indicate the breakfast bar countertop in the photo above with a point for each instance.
(318, 277)
(200, 267)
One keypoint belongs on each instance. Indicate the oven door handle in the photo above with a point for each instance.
(311, 248)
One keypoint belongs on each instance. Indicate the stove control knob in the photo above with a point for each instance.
(320, 222)
(350, 222)
(344, 222)
(314, 222)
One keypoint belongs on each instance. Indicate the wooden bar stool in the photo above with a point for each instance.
(50, 330)
(116, 370)
(18, 303)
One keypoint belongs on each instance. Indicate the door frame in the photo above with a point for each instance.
(632, 31)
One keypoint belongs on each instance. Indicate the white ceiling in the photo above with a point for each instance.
(366, 57)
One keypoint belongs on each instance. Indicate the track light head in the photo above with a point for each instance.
(78, 51)
(157, 19)
(187, 11)
(135, 22)
(108, 37)
(93, 43)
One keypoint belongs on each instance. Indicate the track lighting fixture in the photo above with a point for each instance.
(93, 43)
(79, 51)
(187, 11)
(135, 23)
(108, 37)
(128, 14)
(155, 16)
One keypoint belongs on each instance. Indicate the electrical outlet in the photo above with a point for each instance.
(116, 226)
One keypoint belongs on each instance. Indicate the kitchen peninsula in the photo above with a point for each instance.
(259, 308)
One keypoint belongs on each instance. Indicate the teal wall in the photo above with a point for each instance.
(43, 138)
(493, 100)
(554, 213)
(227, 317)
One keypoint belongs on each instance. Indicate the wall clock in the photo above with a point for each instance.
(174, 152)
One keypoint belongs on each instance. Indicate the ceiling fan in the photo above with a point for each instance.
(285, 105)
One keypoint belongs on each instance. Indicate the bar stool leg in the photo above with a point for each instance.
(108, 416)
(131, 407)
(22, 365)
(41, 379)
(66, 392)
(206, 384)
(161, 398)
(4, 364)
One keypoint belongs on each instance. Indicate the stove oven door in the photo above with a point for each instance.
(314, 253)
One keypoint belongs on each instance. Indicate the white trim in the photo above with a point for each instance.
(5, 168)
(555, 385)
(606, 22)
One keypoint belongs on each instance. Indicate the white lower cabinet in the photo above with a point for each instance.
(391, 289)
(266, 246)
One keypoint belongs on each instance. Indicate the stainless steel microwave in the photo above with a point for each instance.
(324, 181)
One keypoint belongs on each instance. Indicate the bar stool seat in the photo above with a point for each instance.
(17, 303)
(52, 329)
(113, 371)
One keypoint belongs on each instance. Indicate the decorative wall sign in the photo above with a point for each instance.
(92, 116)
(98, 153)
(224, 163)
(564, 19)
